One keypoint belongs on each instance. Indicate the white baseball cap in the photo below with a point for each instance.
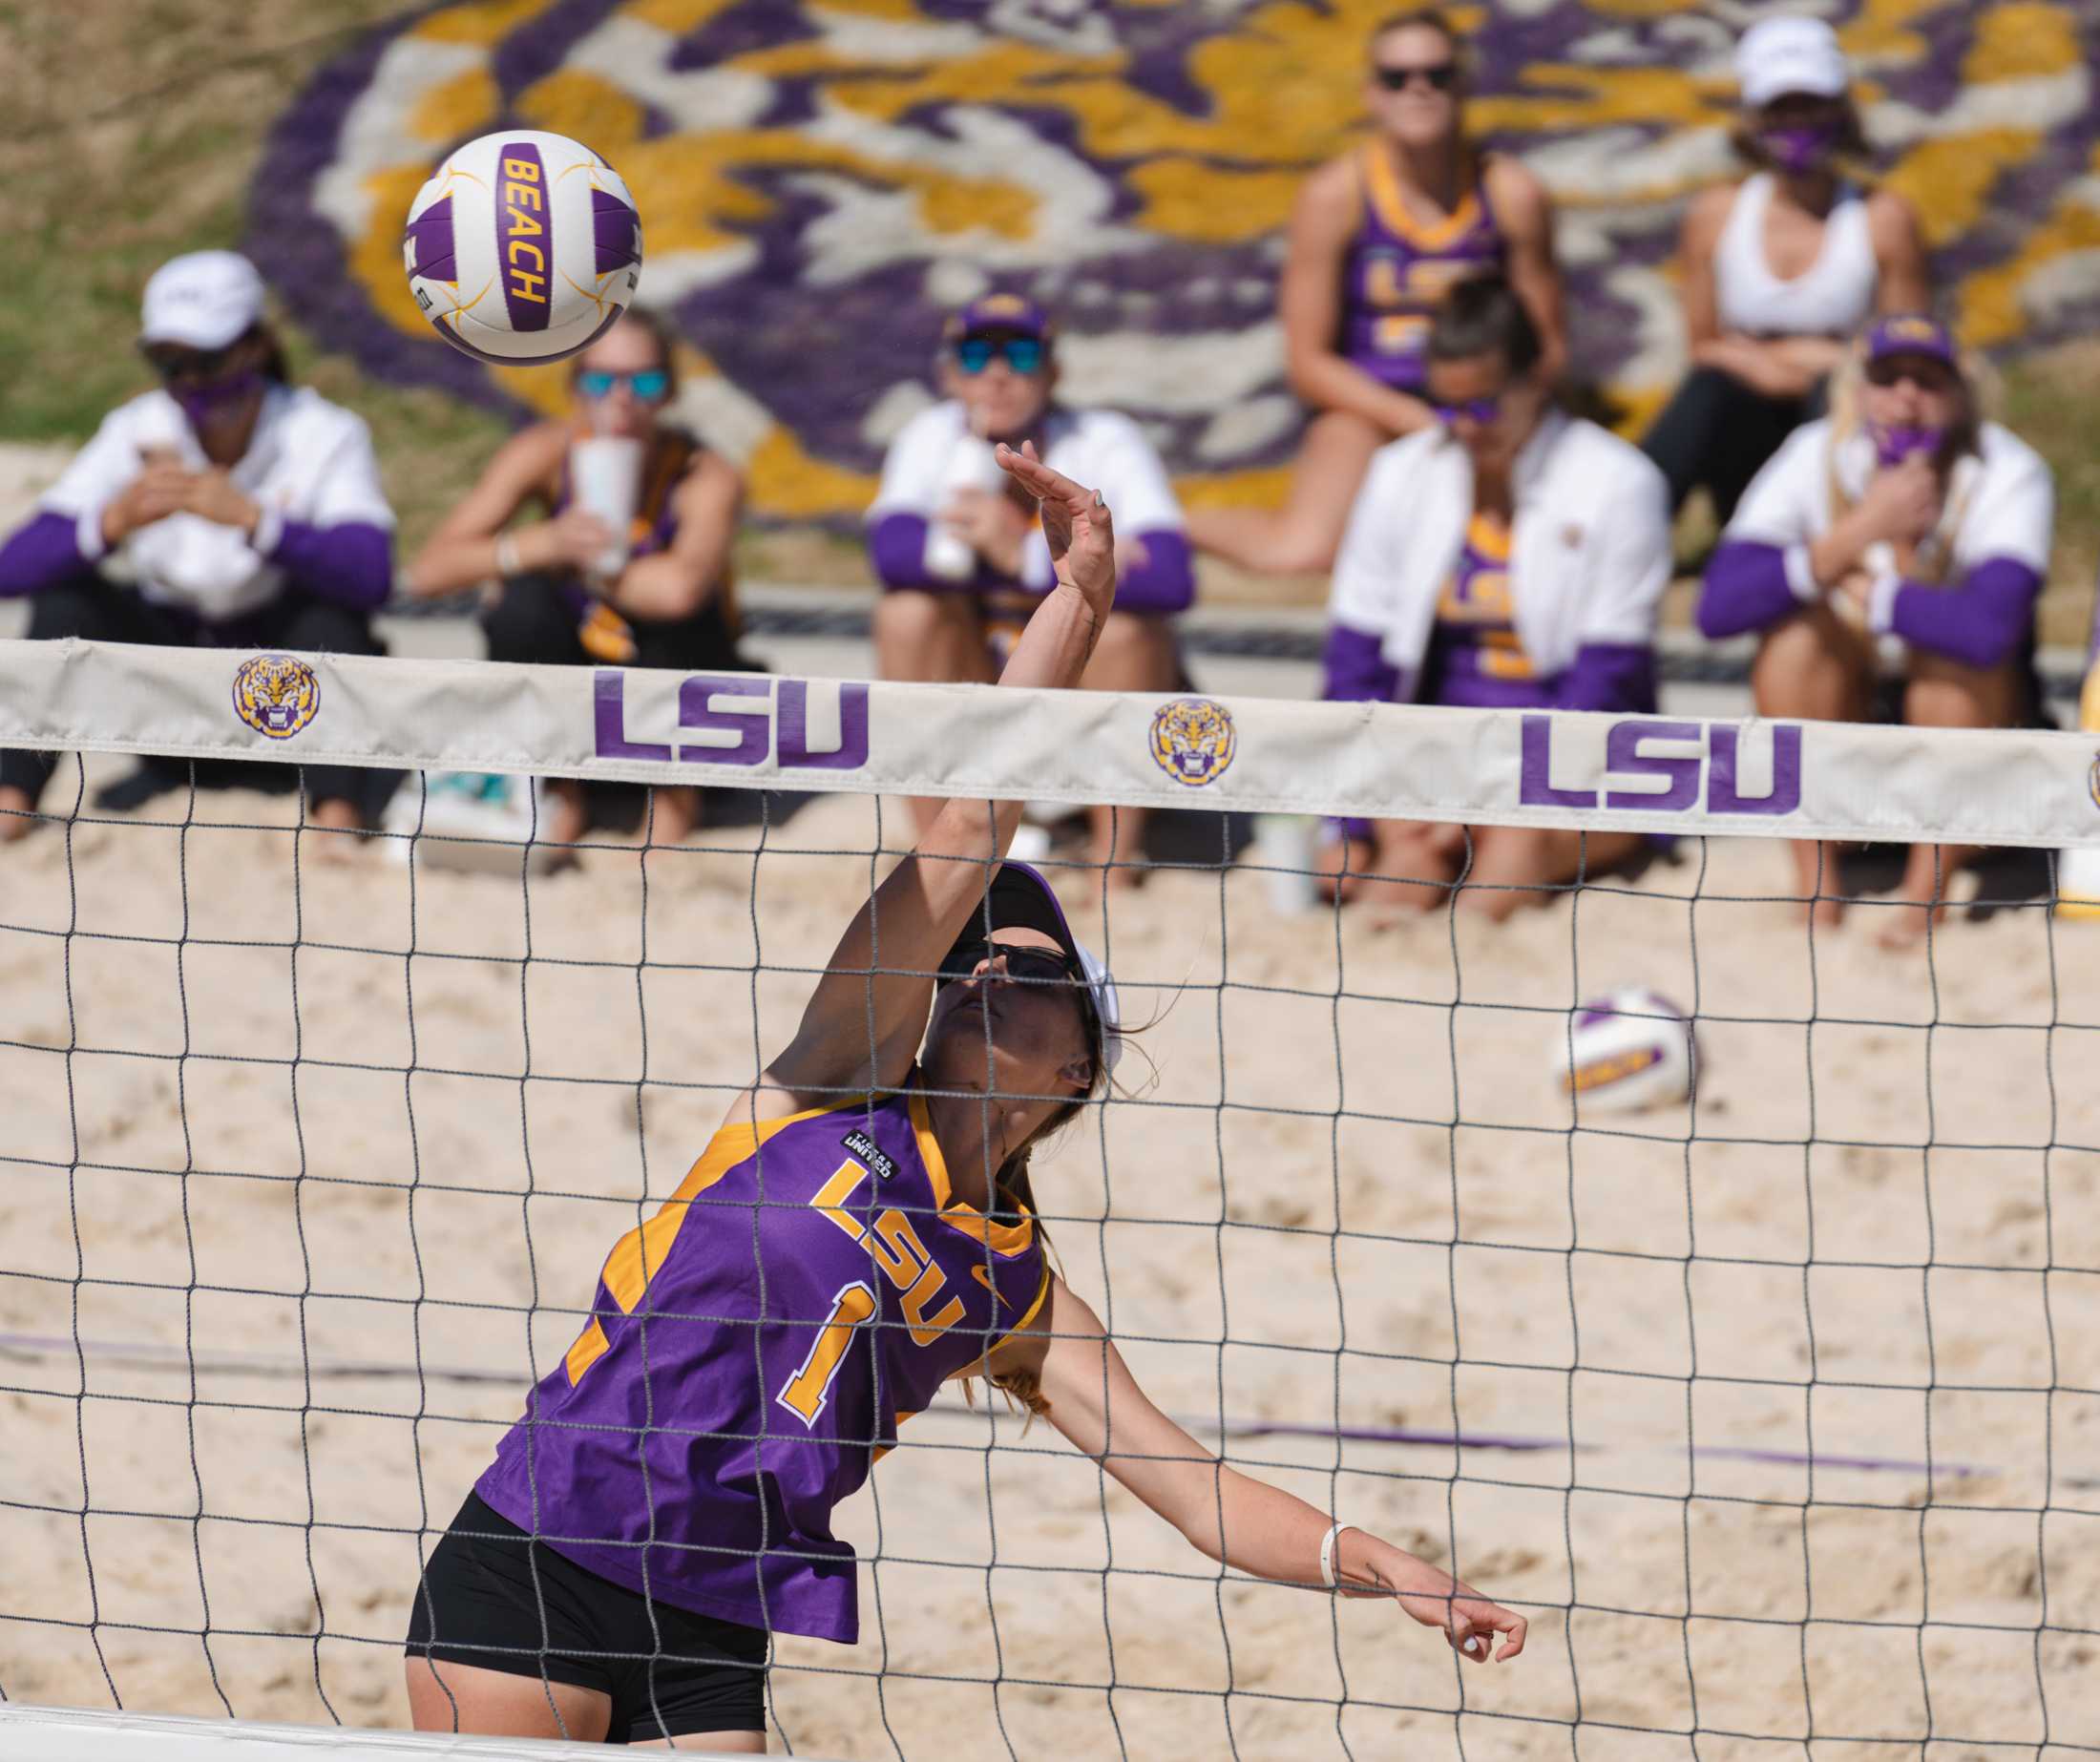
(1790, 53)
(202, 300)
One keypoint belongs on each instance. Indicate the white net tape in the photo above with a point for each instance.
(1777, 1410)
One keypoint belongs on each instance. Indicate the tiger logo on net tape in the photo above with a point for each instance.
(276, 695)
(1193, 741)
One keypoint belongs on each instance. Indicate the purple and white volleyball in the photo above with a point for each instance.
(1630, 1049)
(523, 246)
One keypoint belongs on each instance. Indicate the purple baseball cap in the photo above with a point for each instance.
(1019, 898)
(1002, 314)
(1912, 333)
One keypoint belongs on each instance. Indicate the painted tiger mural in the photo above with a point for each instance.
(821, 180)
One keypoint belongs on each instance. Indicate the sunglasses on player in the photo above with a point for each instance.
(1441, 77)
(1022, 355)
(1477, 410)
(172, 362)
(651, 385)
(1035, 966)
(1923, 371)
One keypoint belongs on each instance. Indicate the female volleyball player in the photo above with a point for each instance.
(1377, 238)
(1511, 557)
(860, 1229)
(1902, 519)
(1780, 268)
(575, 593)
(228, 508)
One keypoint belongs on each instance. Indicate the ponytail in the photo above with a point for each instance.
(1012, 1197)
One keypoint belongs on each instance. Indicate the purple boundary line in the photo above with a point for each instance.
(261, 1364)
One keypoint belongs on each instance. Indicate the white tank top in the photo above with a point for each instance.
(1832, 297)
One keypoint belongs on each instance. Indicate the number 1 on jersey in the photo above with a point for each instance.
(810, 1387)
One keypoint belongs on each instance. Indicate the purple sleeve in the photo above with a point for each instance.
(1979, 624)
(1165, 582)
(350, 562)
(1745, 588)
(1610, 676)
(897, 546)
(41, 555)
(1356, 671)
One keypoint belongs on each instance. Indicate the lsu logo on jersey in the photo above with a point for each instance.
(276, 695)
(1193, 741)
(2093, 780)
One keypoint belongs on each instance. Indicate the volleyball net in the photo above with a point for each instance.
(1775, 1405)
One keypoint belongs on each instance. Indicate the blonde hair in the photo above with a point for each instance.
(1983, 390)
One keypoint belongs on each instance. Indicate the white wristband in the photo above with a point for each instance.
(508, 562)
(1327, 1553)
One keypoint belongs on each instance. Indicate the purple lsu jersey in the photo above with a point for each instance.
(1398, 269)
(1476, 658)
(753, 1346)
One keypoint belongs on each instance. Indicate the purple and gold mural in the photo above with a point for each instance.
(819, 182)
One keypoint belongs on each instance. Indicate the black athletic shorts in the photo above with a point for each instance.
(477, 1605)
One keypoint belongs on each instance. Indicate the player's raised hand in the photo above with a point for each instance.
(1075, 520)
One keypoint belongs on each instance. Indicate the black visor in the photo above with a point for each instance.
(1018, 898)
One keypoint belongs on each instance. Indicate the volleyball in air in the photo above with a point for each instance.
(522, 246)
(1629, 1050)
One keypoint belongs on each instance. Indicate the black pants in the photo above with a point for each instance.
(536, 622)
(1717, 432)
(497, 1599)
(104, 612)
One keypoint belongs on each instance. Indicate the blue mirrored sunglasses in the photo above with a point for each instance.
(1023, 354)
(651, 385)
(1480, 410)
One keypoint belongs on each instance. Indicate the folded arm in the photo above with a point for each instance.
(680, 581)
(1322, 224)
(41, 553)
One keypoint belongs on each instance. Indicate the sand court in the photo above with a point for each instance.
(280, 1132)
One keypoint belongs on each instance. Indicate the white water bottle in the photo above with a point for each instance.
(972, 465)
(1286, 846)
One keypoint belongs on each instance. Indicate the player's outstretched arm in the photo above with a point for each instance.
(1231, 1517)
(864, 1021)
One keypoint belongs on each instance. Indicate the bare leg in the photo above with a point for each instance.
(1513, 866)
(1342, 863)
(570, 815)
(926, 636)
(1815, 669)
(334, 819)
(673, 811)
(459, 1697)
(1945, 694)
(16, 809)
(1300, 537)
(727, 1743)
(1415, 863)
(1135, 653)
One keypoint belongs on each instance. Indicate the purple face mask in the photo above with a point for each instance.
(202, 403)
(1799, 149)
(1895, 442)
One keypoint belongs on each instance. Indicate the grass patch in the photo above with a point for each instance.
(94, 198)
(2051, 397)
